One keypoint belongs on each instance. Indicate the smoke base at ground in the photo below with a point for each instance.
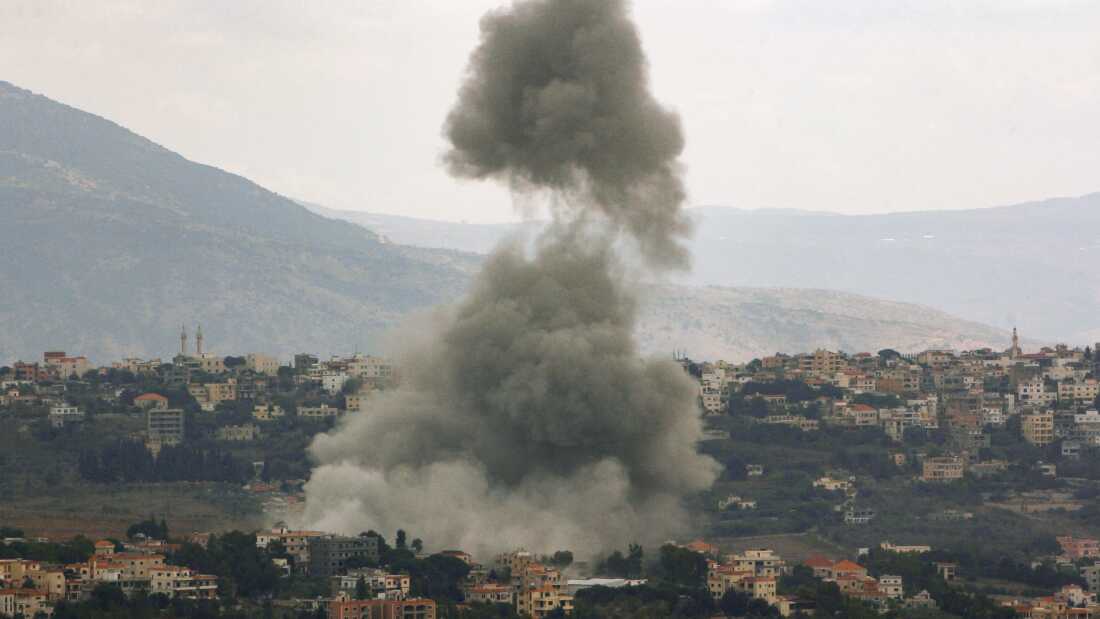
(527, 416)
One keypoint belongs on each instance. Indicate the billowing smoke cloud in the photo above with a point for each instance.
(557, 97)
(526, 416)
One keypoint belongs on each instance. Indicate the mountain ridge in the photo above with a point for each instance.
(117, 241)
(1025, 265)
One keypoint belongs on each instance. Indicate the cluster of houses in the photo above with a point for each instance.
(516, 578)
(1052, 392)
(533, 586)
(338, 385)
(756, 572)
(1069, 602)
(29, 588)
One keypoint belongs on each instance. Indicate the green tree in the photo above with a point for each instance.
(361, 592)
(683, 566)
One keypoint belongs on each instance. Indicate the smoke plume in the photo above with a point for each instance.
(526, 415)
(557, 97)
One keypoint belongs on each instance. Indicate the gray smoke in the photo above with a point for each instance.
(557, 97)
(526, 416)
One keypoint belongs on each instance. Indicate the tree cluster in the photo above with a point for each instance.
(130, 461)
(242, 568)
(150, 528)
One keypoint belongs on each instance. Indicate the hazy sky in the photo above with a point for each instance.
(850, 106)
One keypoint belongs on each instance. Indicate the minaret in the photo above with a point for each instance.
(183, 340)
(1015, 350)
(198, 341)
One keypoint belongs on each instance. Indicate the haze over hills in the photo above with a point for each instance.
(709, 322)
(111, 242)
(1030, 265)
(736, 323)
(475, 238)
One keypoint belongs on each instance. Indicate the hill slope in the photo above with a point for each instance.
(475, 238)
(1030, 265)
(738, 324)
(111, 242)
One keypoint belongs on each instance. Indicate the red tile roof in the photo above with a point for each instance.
(818, 561)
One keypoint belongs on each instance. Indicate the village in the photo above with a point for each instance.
(216, 405)
(353, 572)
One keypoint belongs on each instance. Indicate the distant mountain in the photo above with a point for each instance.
(110, 242)
(1030, 265)
(739, 324)
(476, 238)
(732, 323)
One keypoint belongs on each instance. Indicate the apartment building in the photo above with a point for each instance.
(323, 411)
(295, 542)
(175, 581)
(329, 554)
(165, 425)
(262, 364)
(382, 609)
(945, 468)
(1038, 428)
(759, 562)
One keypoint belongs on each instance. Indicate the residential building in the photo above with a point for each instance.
(947, 571)
(822, 363)
(209, 395)
(913, 549)
(262, 364)
(243, 433)
(1036, 392)
(19, 602)
(1038, 428)
(371, 369)
(891, 586)
(821, 566)
(295, 542)
(148, 401)
(489, 593)
(844, 568)
(356, 402)
(63, 366)
(63, 414)
(723, 578)
(539, 602)
(176, 581)
(833, 485)
(758, 562)
(761, 587)
(333, 382)
(854, 516)
(329, 554)
(382, 609)
(378, 584)
(165, 425)
(267, 412)
(1091, 574)
(789, 606)
(1075, 548)
(945, 468)
(1079, 391)
(319, 412)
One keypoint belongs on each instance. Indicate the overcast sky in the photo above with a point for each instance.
(850, 106)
